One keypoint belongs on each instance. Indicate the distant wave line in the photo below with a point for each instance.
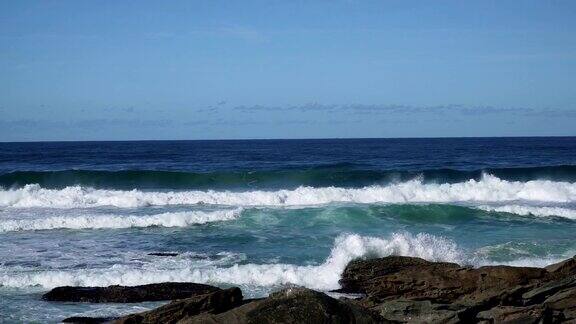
(487, 190)
(341, 175)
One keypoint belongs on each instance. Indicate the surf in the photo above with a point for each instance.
(489, 189)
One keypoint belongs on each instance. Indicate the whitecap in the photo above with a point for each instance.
(170, 219)
(489, 189)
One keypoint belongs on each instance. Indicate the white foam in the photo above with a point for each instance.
(323, 277)
(488, 189)
(175, 219)
(533, 210)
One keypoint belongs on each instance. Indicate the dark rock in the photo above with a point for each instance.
(563, 304)
(164, 254)
(212, 303)
(293, 305)
(127, 294)
(439, 282)
(88, 320)
(419, 311)
(511, 314)
(563, 269)
(392, 290)
(358, 274)
(547, 289)
(415, 290)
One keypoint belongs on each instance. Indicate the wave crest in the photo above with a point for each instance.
(323, 277)
(175, 219)
(488, 189)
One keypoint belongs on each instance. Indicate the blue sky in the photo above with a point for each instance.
(119, 70)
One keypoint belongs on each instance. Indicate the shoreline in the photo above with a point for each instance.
(392, 289)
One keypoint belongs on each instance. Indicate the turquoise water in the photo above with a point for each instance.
(283, 215)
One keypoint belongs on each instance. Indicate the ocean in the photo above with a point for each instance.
(263, 214)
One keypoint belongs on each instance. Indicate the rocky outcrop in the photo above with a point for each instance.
(180, 310)
(294, 305)
(413, 278)
(414, 290)
(562, 269)
(392, 289)
(126, 294)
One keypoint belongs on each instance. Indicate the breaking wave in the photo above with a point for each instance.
(174, 219)
(489, 189)
(324, 276)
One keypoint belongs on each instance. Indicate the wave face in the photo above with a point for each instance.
(488, 189)
(324, 276)
(339, 175)
(169, 219)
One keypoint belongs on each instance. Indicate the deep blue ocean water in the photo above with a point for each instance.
(262, 214)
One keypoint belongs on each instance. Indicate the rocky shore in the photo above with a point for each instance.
(392, 290)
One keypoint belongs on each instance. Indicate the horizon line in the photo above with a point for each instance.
(287, 139)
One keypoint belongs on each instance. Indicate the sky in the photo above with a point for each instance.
(145, 70)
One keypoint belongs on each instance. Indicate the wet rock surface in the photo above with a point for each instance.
(413, 290)
(127, 294)
(294, 305)
(392, 290)
(179, 310)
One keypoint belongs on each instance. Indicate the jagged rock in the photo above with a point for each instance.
(418, 311)
(547, 289)
(408, 289)
(181, 310)
(358, 275)
(563, 269)
(413, 278)
(293, 305)
(511, 314)
(563, 304)
(127, 294)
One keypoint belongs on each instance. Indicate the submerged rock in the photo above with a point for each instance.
(128, 294)
(163, 254)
